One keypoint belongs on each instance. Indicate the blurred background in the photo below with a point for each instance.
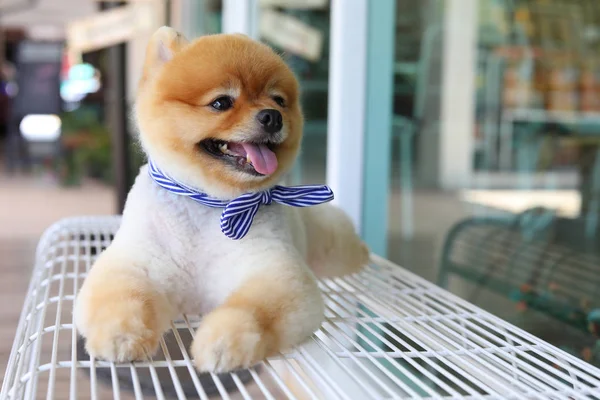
(462, 136)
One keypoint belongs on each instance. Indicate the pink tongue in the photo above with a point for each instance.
(263, 160)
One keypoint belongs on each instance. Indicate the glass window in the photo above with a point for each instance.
(515, 230)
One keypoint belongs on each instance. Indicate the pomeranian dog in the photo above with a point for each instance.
(219, 119)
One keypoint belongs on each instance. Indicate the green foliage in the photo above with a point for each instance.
(87, 147)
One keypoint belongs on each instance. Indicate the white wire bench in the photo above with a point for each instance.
(387, 334)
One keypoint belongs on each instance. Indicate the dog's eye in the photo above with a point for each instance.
(222, 103)
(279, 100)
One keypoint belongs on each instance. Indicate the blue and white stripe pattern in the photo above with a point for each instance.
(239, 213)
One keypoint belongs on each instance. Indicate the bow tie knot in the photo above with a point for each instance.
(266, 197)
(239, 213)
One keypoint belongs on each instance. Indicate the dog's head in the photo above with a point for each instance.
(221, 113)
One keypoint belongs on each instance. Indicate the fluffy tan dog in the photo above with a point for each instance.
(220, 115)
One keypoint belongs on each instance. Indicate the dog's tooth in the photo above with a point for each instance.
(248, 159)
(223, 147)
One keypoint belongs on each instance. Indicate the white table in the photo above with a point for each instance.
(388, 334)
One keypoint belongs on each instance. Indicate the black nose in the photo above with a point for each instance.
(271, 120)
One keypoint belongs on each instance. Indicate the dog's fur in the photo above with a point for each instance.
(258, 295)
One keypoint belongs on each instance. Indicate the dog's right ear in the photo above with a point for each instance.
(163, 45)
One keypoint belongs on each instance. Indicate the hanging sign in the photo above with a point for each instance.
(291, 34)
(110, 27)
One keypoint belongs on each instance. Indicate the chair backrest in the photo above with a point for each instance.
(548, 266)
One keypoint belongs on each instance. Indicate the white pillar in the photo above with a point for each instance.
(458, 94)
(346, 112)
(241, 16)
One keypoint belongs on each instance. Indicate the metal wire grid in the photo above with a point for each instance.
(387, 334)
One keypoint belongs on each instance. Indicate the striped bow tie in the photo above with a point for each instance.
(239, 213)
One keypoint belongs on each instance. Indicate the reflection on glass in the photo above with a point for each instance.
(520, 236)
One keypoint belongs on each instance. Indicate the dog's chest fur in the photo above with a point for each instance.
(185, 248)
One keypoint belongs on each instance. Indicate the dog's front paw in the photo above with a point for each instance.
(125, 341)
(118, 330)
(134, 342)
(120, 320)
(228, 339)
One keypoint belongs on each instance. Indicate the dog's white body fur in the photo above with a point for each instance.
(178, 245)
(181, 247)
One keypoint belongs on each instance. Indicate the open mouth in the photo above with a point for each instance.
(253, 158)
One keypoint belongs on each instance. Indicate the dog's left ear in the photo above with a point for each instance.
(163, 45)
